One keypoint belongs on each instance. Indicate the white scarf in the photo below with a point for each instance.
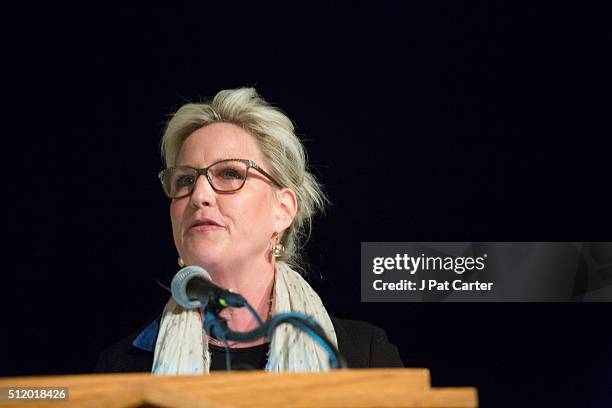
(182, 345)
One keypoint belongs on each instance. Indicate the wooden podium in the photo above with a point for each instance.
(398, 387)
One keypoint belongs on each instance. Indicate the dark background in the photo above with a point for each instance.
(441, 121)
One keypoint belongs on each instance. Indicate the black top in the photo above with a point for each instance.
(362, 344)
(247, 358)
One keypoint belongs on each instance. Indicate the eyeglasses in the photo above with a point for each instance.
(224, 176)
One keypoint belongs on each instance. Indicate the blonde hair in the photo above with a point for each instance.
(275, 135)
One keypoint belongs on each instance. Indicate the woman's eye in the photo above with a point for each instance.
(184, 181)
(231, 174)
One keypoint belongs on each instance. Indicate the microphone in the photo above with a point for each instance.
(192, 288)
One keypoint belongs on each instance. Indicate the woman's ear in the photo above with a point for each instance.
(287, 208)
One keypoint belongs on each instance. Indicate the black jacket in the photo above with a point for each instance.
(363, 345)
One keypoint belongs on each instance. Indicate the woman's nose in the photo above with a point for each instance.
(203, 194)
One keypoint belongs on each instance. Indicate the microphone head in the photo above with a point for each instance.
(179, 285)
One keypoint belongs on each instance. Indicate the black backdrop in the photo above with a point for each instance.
(447, 121)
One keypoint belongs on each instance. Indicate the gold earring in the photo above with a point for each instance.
(278, 249)
(180, 262)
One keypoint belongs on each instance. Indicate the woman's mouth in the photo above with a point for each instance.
(205, 225)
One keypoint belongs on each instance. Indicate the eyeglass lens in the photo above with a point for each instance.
(224, 176)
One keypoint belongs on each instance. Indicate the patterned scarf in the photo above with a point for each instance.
(182, 345)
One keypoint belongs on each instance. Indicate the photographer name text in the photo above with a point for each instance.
(432, 285)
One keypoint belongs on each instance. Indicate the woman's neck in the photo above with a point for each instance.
(255, 282)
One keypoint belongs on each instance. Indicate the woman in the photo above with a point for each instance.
(242, 203)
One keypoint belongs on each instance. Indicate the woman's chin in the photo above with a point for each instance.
(206, 256)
